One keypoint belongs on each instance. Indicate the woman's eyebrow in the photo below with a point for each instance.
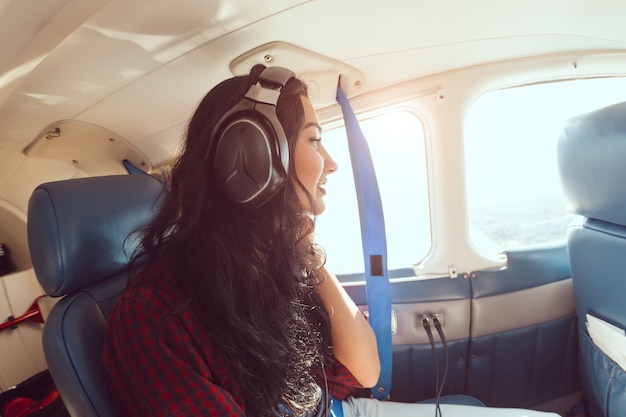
(313, 124)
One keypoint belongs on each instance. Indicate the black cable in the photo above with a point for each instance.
(426, 324)
(437, 323)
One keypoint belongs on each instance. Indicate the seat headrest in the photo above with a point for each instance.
(592, 164)
(78, 228)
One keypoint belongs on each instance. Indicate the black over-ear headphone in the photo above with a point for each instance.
(251, 155)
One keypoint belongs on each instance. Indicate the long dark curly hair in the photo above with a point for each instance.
(250, 276)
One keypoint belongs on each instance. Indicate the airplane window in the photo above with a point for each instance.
(396, 142)
(513, 189)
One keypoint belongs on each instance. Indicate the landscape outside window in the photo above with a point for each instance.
(513, 188)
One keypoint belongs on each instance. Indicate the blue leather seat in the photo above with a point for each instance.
(592, 164)
(77, 233)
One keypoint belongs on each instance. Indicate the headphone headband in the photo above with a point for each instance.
(270, 83)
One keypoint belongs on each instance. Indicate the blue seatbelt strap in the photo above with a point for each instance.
(336, 408)
(374, 244)
(133, 170)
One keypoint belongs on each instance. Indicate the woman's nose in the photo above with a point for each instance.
(330, 165)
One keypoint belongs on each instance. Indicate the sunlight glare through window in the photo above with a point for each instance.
(396, 142)
(513, 188)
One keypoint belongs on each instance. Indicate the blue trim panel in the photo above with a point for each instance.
(393, 273)
(419, 291)
(526, 268)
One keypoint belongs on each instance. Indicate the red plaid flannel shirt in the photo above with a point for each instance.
(162, 364)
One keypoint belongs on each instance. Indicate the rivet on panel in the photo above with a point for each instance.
(54, 133)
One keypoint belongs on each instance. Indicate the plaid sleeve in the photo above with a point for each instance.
(157, 369)
(341, 382)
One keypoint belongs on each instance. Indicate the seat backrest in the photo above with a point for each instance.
(78, 235)
(592, 164)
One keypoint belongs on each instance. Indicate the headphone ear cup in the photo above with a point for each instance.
(245, 167)
(251, 156)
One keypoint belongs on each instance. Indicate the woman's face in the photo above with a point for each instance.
(312, 162)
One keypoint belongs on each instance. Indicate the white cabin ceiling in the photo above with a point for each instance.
(138, 68)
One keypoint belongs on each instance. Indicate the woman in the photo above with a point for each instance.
(232, 312)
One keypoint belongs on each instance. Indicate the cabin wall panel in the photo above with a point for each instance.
(9, 164)
(524, 367)
(29, 174)
(414, 371)
(19, 176)
(13, 235)
(455, 321)
(523, 348)
(511, 332)
(522, 308)
(21, 350)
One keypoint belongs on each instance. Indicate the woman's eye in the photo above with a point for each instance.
(316, 141)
